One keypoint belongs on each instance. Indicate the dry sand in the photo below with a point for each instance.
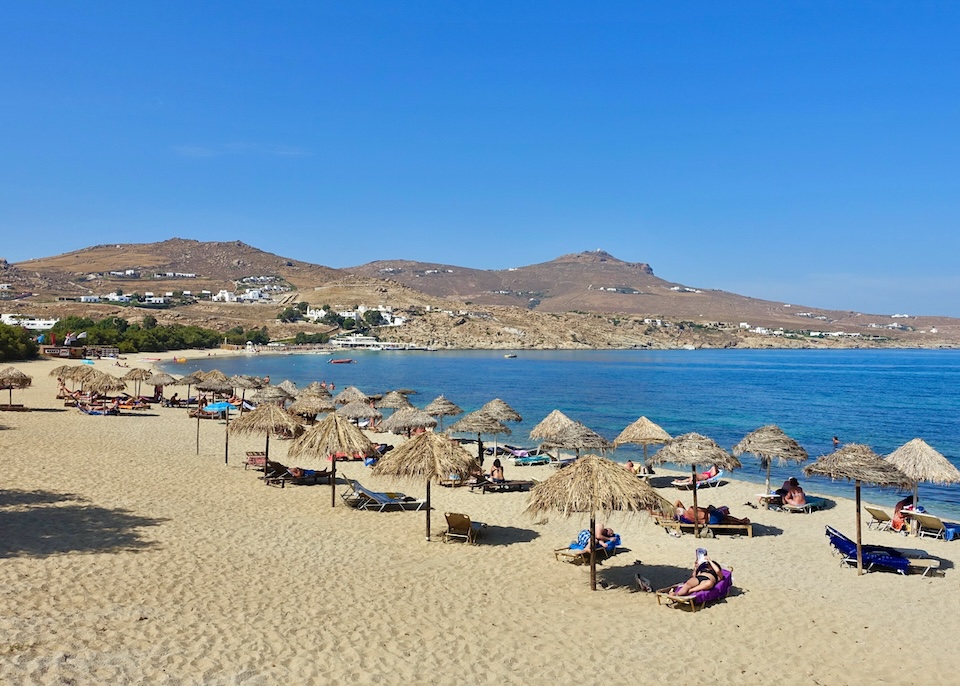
(125, 558)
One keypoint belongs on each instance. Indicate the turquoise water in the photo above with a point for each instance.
(882, 398)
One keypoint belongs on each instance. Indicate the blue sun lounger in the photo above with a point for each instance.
(881, 556)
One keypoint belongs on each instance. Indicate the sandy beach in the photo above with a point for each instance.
(126, 558)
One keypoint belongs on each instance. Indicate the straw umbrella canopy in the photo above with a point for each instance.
(316, 388)
(103, 383)
(498, 409)
(858, 463)
(593, 484)
(244, 383)
(83, 373)
(770, 443)
(693, 449)
(577, 436)
(408, 419)
(349, 395)
(267, 418)
(642, 432)
(427, 456)
(478, 423)
(359, 409)
(11, 378)
(310, 405)
(63, 371)
(550, 426)
(288, 386)
(921, 462)
(138, 376)
(441, 407)
(394, 400)
(160, 379)
(331, 435)
(271, 394)
(214, 375)
(191, 379)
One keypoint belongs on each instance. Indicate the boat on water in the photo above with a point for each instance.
(345, 360)
(510, 356)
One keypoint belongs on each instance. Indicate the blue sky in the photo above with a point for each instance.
(804, 152)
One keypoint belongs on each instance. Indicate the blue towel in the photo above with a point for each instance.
(951, 531)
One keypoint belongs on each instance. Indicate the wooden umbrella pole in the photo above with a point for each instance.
(593, 551)
(198, 430)
(226, 439)
(333, 481)
(696, 510)
(266, 453)
(428, 510)
(767, 492)
(859, 545)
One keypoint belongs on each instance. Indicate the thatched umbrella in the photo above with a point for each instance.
(498, 409)
(693, 449)
(331, 435)
(349, 395)
(427, 456)
(642, 432)
(408, 419)
(271, 394)
(11, 378)
(288, 386)
(394, 400)
(441, 407)
(267, 418)
(315, 388)
(138, 376)
(592, 484)
(577, 437)
(769, 443)
(359, 409)
(104, 383)
(83, 373)
(478, 423)
(550, 426)
(244, 383)
(858, 463)
(213, 384)
(191, 379)
(921, 462)
(214, 375)
(160, 379)
(310, 405)
(63, 371)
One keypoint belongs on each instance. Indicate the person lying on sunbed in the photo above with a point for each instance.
(300, 472)
(706, 515)
(702, 476)
(706, 574)
(606, 539)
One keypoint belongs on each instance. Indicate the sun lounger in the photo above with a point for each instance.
(933, 526)
(460, 528)
(310, 477)
(98, 410)
(256, 459)
(6, 407)
(811, 505)
(879, 519)
(202, 414)
(504, 486)
(701, 598)
(530, 460)
(365, 499)
(578, 552)
(670, 523)
(683, 485)
(882, 557)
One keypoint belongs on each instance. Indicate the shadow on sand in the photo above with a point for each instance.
(506, 535)
(42, 523)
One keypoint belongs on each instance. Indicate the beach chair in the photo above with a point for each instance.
(256, 459)
(879, 519)
(578, 552)
(365, 499)
(702, 598)
(510, 486)
(459, 527)
(811, 505)
(934, 527)
(713, 481)
(310, 477)
(881, 557)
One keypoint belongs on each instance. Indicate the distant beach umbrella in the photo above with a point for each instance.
(271, 394)
(288, 386)
(480, 424)
(427, 456)
(159, 380)
(137, 376)
(407, 419)
(642, 432)
(693, 449)
(310, 405)
(359, 409)
(105, 383)
(770, 443)
(349, 395)
(191, 379)
(214, 375)
(267, 419)
(331, 435)
(592, 484)
(921, 462)
(11, 378)
(244, 383)
(498, 409)
(858, 463)
(63, 371)
(315, 388)
(550, 426)
(394, 400)
(441, 407)
(577, 437)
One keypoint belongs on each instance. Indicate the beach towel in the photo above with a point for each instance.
(719, 590)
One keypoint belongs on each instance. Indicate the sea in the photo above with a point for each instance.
(882, 398)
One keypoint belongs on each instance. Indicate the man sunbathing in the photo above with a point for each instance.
(706, 515)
